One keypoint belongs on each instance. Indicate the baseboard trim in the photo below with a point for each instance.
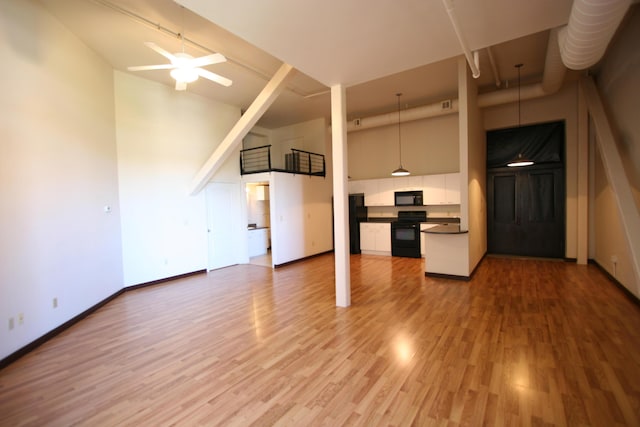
(69, 323)
(46, 337)
(284, 264)
(448, 276)
(159, 281)
(633, 298)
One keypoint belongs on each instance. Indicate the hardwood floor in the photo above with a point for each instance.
(525, 342)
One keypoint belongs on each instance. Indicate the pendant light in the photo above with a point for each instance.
(520, 160)
(400, 171)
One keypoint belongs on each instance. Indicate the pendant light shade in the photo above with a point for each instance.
(400, 171)
(520, 160)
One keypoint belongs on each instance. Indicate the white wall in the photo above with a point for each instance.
(164, 137)
(429, 146)
(619, 84)
(301, 217)
(307, 136)
(57, 173)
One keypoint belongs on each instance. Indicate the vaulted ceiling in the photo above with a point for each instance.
(376, 48)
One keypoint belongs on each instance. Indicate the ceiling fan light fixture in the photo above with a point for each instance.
(184, 75)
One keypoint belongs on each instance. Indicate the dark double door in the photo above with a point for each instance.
(526, 211)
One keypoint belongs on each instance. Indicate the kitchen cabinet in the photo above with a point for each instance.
(438, 189)
(441, 189)
(408, 183)
(357, 187)
(375, 237)
(262, 192)
(379, 192)
(258, 241)
(433, 189)
(452, 188)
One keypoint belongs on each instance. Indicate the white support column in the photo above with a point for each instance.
(340, 195)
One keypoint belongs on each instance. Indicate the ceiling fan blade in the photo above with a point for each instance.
(214, 58)
(151, 67)
(160, 50)
(214, 77)
(181, 85)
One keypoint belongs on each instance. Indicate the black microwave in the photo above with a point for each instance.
(408, 198)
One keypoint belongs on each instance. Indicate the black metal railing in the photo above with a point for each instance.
(258, 159)
(255, 160)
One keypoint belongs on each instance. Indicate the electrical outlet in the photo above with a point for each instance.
(614, 259)
(55, 302)
(20, 318)
(11, 323)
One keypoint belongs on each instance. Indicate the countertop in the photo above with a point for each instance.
(445, 229)
(430, 220)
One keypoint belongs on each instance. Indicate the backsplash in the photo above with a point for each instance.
(440, 211)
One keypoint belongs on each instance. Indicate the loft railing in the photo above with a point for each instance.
(255, 160)
(258, 159)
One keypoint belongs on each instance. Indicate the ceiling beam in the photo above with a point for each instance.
(257, 108)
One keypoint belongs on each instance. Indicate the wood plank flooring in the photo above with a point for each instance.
(525, 342)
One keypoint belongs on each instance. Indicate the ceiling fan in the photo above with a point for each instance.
(185, 68)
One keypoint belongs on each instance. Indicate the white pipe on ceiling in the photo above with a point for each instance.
(472, 59)
(552, 79)
(591, 26)
(494, 67)
(578, 45)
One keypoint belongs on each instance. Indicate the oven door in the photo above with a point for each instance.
(405, 239)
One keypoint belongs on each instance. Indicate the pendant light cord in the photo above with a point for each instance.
(399, 137)
(518, 66)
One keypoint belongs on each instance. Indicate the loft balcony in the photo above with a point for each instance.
(259, 159)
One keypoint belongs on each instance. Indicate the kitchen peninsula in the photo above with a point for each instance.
(445, 247)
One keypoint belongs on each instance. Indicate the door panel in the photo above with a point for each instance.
(224, 211)
(526, 212)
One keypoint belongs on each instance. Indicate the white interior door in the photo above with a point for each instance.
(226, 237)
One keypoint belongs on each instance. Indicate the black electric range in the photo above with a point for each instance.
(405, 233)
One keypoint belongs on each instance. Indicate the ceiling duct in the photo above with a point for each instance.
(591, 26)
(552, 78)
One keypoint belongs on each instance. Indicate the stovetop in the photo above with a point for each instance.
(412, 216)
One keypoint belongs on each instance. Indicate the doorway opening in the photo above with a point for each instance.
(259, 223)
(526, 205)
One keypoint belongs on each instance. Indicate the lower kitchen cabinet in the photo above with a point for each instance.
(258, 241)
(375, 237)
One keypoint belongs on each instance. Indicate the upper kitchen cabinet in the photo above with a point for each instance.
(452, 188)
(408, 183)
(357, 187)
(262, 192)
(441, 189)
(379, 192)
